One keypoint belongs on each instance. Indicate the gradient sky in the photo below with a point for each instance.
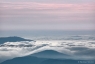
(47, 15)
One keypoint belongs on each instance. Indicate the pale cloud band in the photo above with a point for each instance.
(46, 6)
(47, 15)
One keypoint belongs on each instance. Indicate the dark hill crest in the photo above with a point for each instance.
(12, 39)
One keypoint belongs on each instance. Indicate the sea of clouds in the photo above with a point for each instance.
(76, 49)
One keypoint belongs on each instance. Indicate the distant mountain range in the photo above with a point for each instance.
(36, 59)
(12, 39)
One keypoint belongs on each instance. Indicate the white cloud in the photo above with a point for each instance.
(74, 48)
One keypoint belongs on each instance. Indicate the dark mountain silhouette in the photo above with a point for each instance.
(59, 61)
(24, 60)
(50, 54)
(35, 60)
(12, 39)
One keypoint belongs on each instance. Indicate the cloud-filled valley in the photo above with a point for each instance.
(75, 49)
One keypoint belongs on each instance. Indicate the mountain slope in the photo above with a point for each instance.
(35, 60)
(24, 60)
(59, 61)
(50, 54)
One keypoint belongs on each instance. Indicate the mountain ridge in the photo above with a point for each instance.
(50, 54)
(12, 39)
(36, 60)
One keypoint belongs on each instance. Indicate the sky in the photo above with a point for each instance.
(47, 15)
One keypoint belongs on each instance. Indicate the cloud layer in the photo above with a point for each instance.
(77, 49)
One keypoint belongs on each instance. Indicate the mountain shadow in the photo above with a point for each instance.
(12, 39)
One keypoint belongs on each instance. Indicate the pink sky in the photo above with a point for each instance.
(50, 6)
(43, 15)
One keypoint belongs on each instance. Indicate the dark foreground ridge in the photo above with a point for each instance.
(12, 39)
(36, 60)
(33, 59)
